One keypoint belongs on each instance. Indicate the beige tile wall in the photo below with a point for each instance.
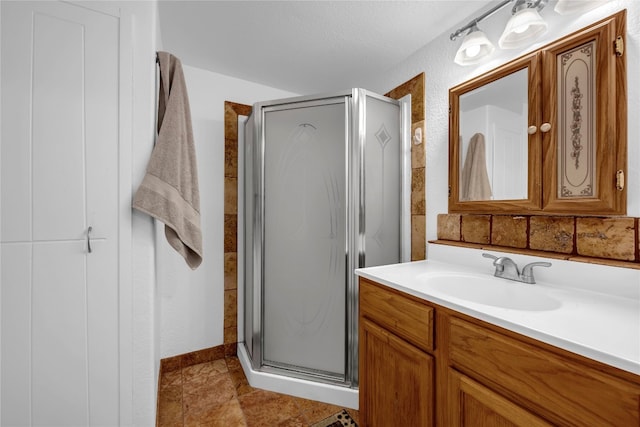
(602, 240)
(231, 112)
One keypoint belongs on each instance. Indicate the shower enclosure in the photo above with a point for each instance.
(325, 192)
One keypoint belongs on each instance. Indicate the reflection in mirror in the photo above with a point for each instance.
(493, 140)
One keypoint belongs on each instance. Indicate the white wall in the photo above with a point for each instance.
(441, 73)
(176, 310)
(144, 354)
(192, 302)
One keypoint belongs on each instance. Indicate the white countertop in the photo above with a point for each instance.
(601, 324)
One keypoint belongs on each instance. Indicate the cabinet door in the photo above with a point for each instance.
(584, 109)
(396, 380)
(472, 404)
(512, 155)
(61, 306)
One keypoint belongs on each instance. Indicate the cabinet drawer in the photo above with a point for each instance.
(573, 394)
(405, 317)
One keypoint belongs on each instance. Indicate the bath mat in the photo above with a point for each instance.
(340, 419)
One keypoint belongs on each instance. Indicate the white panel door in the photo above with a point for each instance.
(59, 165)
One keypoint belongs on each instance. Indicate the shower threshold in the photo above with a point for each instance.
(307, 389)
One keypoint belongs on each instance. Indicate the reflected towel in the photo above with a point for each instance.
(474, 180)
(169, 191)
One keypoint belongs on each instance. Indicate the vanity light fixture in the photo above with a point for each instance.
(474, 48)
(525, 25)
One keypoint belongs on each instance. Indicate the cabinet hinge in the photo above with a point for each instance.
(449, 191)
(449, 109)
(619, 46)
(620, 180)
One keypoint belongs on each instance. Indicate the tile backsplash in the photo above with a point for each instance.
(603, 240)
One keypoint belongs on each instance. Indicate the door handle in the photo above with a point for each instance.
(89, 238)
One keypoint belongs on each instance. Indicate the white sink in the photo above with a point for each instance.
(489, 290)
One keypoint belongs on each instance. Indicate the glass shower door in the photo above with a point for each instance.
(305, 240)
(382, 163)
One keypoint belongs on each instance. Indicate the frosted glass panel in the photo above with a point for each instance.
(383, 186)
(577, 122)
(305, 243)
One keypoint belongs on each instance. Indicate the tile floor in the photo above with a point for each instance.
(217, 394)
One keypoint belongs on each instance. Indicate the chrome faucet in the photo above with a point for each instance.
(508, 269)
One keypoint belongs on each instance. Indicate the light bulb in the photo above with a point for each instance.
(473, 51)
(524, 26)
(474, 48)
(521, 29)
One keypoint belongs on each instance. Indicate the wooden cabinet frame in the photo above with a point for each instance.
(611, 120)
(534, 200)
(610, 128)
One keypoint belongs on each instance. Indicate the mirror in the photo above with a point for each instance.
(492, 154)
(493, 140)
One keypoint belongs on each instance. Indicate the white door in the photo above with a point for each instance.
(59, 165)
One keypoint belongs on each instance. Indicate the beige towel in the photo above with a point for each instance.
(169, 190)
(474, 180)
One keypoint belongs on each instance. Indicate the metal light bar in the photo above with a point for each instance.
(538, 4)
(485, 15)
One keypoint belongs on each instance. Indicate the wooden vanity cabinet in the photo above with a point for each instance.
(396, 369)
(467, 372)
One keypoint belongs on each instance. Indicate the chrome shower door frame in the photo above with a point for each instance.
(258, 358)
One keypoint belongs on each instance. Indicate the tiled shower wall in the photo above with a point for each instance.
(414, 87)
(602, 240)
(231, 113)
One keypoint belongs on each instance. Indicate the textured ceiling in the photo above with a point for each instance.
(305, 46)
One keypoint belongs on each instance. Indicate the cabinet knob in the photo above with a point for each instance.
(545, 127)
(531, 130)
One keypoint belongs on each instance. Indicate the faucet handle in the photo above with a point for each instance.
(486, 255)
(527, 271)
(496, 262)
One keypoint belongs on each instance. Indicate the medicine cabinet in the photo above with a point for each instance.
(545, 133)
